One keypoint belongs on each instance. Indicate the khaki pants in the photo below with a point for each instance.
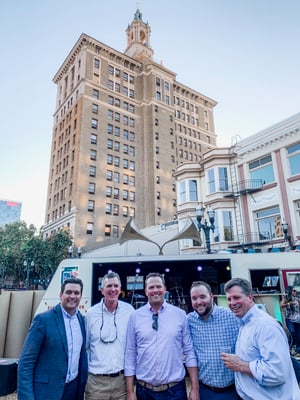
(105, 388)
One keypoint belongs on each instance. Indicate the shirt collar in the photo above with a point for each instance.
(163, 306)
(249, 315)
(66, 314)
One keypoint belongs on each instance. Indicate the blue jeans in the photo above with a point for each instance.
(207, 394)
(177, 392)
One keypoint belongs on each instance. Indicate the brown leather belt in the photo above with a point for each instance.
(159, 388)
(218, 389)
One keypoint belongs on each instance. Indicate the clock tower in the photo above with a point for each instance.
(138, 38)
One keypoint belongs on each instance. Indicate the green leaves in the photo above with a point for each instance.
(19, 243)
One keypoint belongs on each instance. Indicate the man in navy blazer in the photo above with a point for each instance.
(53, 362)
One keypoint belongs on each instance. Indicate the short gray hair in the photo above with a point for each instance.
(111, 275)
(240, 282)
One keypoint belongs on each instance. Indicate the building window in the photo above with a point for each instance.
(109, 175)
(182, 192)
(95, 108)
(94, 123)
(108, 208)
(93, 138)
(262, 169)
(91, 205)
(109, 159)
(227, 225)
(93, 155)
(158, 211)
(108, 191)
(116, 177)
(92, 188)
(109, 129)
(125, 211)
(111, 70)
(115, 209)
(294, 158)
(125, 164)
(132, 165)
(193, 193)
(269, 223)
(116, 193)
(125, 179)
(95, 94)
(211, 181)
(89, 228)
(107, 230)
(92, 171)
(117, 161)
(109, 143)
(110, 84)
(223, 179)
(125, 195)
(132, 196)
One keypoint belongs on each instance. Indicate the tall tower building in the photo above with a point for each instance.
(122, 124)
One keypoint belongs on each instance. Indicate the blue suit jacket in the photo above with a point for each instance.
(43, 362)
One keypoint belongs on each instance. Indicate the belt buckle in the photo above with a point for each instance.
(160, 388)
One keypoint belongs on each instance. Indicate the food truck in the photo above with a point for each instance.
(269, 273)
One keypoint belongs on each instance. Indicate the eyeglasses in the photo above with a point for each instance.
(103, 338)
(155, 321)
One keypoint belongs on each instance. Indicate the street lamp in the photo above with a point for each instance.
(28, 268)
(287, 237)
(205, 227)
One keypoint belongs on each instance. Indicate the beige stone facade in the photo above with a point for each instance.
(122, 124)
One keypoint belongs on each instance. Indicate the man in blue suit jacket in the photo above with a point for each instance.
(53, 362)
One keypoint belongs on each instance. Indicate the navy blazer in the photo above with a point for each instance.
(43, 363)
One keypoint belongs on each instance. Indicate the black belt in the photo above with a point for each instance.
(114, 375)
(159, 388)
(218, 389)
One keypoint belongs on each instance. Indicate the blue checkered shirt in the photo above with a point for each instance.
(220, 329)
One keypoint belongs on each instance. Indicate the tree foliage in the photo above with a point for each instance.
(19, 243)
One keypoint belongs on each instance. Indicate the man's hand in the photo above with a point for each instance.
(234, 363)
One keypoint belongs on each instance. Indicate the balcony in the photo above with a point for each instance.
(245, 187)
(252, 239)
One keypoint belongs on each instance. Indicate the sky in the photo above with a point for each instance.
(244, 54)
